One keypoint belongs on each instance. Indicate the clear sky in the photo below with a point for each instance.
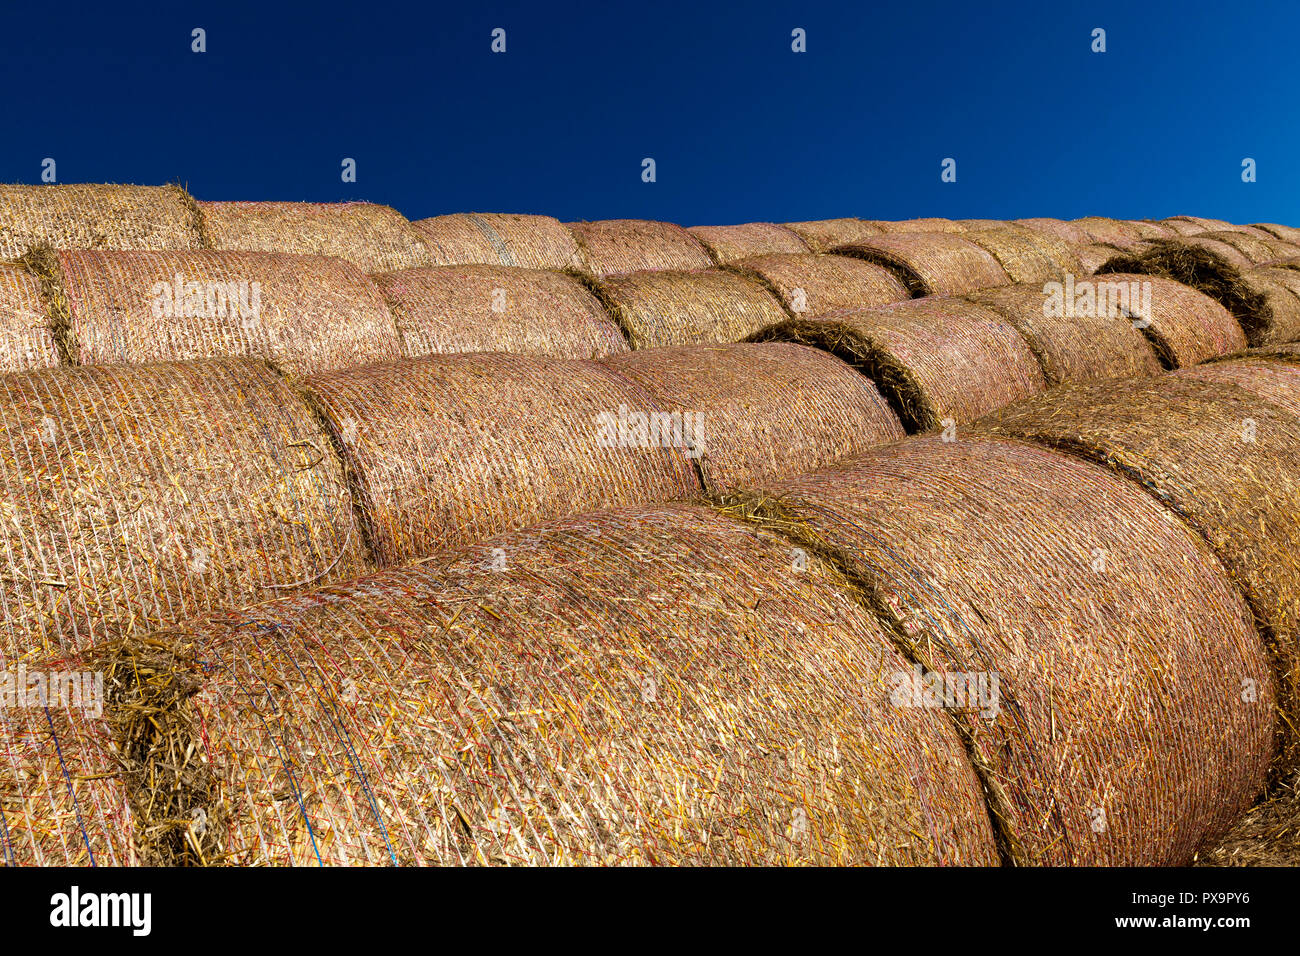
(740, 127)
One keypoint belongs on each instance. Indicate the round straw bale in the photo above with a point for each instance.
(1072, 346)
(1275, 381)
(449, 449)
(139, 495)
(1116, 733)
(935, 360)
(768, 410)
(1221, 458)
(372, 237)
(1225, 251)
(816, 284)
(1026, 256)
(656, 309)
(821, 235)
(1277, 312)
(1116, 232)
(930, 224)
(475, 308)
(1094, 255)
(970, 225)
(931, 263)
(1066, 232)
(630, 687)
(26, 329)
(94, 216)
(303, 313)
(1255, 249)
(1193, 225)
(728, 244)
(1285, 233)
(613, 246)
(531, 242)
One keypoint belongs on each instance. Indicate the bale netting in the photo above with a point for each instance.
(822, 235)
(375, 238)
(937, 361)
(1102, 693)
(1194, 225)
(1257, 250)
(449, 449)
(1285, 233)
(924, 224)
(1072, 345)
(728, 244)
(1122, 233)
(96, 216)
(26, 328)
(530, 242)
(763, 410)
(302, 313)
(1221, 458)
(140, 495)
(1059, 229)
(640, 687)
(1094, 255)
(1277, 310)
(656, 309)
(614, 246)
(931, 263)
(816, 284)
(1274, 381)
(475, 308)
(1026, 256)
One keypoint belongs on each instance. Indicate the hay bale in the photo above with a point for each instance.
(728, 244)
(302, 313)
(925, 224)
(475, 308)
(1268, 835)
(1274, 381)
(1120, 736)
(770, 409)
(931, 263)
(1285, 233)
(1072, 346)
(139, 495)
(822, 235)
(635, 687)
(1220, 458)
(1121, 233)
(615, 246)
(656, 309)
(1094, 255)
(1194, 225)
(816, 284)
(95, 216)
(1277, 309)
(26, 329)
(1059, 229)
(1256, 250)
(530, 242)
(970, 225)
(449, 449)
(934, 360)
(1026, 256)
(374, 238)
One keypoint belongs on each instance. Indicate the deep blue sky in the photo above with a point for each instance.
(741, 128)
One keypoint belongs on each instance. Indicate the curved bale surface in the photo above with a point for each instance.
(936, 360)
(1277, 309)
(1059, 229)
(728, 244)
(303, 313)
(1256, 249)
(1116, 732)
(26, 328)
(374, 238)
(95, 216)
(1285, 233)
(924, 224)
(1277, 382)
(1221, 458)
(476, 308)
(931, 263)
(817, 284)
(638, 687)
(530, 242)
(1118, 232)
(1026, 256)
(140, 495)
(768, 410)
(1194, 225)
(657, 309)
(1072, 345)
(616, 246)
(1093, 256)
(450, 449)
(822, 235)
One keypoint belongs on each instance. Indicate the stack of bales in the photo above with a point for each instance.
(530, 242)
(89, 216)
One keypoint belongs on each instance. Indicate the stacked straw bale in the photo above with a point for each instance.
(372, 237)
(728, 244)
(614, 246)
(1277, 382)
(822, 235)
(449, 449)
(925, 224)
(500, 239)
(769, 409)
(1094, 255)
(140, 495)
(1059, 229)
(634, 687)
(1286, 233)
(1257, 249)
(816, 284)
(656, 309)
(1124, 233)
(931, 263)
(1026, 256)
(91, 216)
(302, 313)
(935, 360)
(1194, 225)
(1119, 735)
(477, 308)
(26, 329)
(1221, 458)
(1277, 310)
